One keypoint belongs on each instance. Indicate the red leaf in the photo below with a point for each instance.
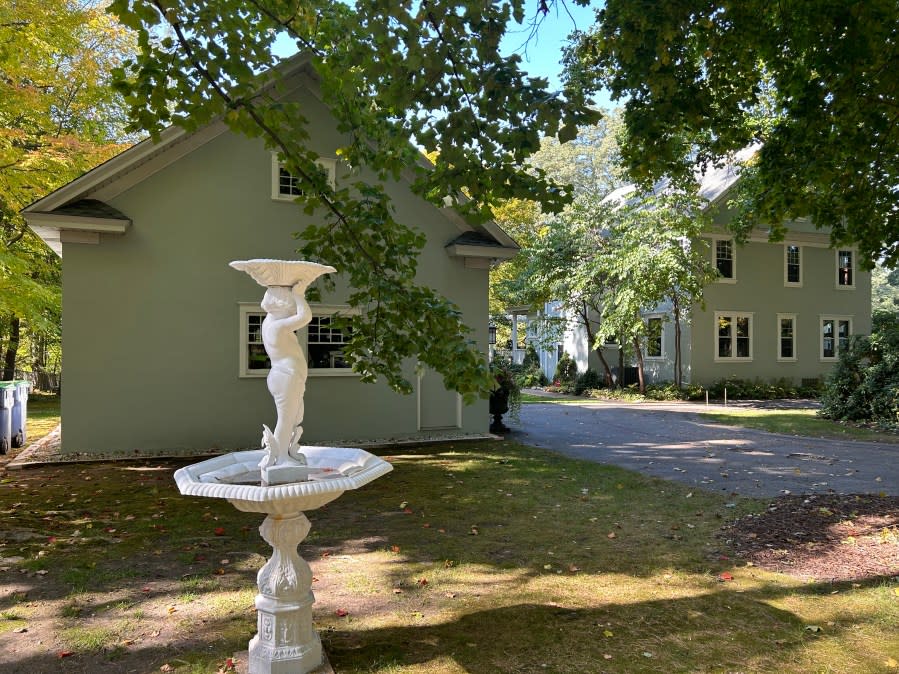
(422, 581)
(342, 613)
(219, 531)
(66, 654)
(723, 577)
(394, 548)
(408, 511)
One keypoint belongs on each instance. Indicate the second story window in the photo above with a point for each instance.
(724, 258)
(845, 269)
(287, 187)
(793, 265)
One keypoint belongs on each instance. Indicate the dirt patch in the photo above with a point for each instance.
(824, 537)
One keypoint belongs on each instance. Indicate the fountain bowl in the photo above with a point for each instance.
(236, 477)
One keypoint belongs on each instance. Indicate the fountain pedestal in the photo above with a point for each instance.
(285, 642)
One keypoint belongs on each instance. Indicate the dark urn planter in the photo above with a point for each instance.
(499, 405)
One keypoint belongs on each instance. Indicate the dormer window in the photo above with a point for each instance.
(286, 186)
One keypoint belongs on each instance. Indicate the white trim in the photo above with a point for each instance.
(853, 270)
(247, 308)
(836, 318)
(733, 259)
(734, 315)
(794, 357)
(787, 282)
(327, 164)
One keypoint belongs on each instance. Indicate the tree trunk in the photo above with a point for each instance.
(12, 347)
(639, 356)
(621, 344)
(607, 371)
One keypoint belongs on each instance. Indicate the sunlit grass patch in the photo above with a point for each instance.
(804, 422)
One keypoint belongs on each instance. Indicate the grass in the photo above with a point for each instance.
(473, 557)
(43, 415)
(798, 422)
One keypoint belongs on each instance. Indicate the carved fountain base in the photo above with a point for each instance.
(285, 642)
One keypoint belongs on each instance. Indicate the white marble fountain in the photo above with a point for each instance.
(283, 479)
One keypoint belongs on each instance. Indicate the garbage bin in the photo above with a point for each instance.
(19, 414)
(7, 396)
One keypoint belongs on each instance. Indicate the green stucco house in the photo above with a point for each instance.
(160, 337)
(777, 310)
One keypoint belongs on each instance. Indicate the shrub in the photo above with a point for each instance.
(566, 371)
(587, 381)
(864, 384)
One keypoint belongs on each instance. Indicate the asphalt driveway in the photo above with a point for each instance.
(673, 441)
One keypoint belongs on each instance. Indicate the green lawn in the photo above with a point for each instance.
(798, 422)
(475, 558)
(43, 415)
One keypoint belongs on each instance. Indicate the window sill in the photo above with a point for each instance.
(787, 360)
(839, 287)
(654, 358)
(732, 360)
(343, 372)
(792, 285)
(726, 280)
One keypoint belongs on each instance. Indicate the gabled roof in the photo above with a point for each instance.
(78, 212)
(713, 182)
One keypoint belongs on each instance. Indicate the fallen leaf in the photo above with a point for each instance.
(407, 511)
(397, 590)
(573, 569)
(608, 634)
(814, 629)
(891, 663)
(394, 548)
(173, 609)
(20, 630)
(725, 576)
(612, 535)
(449, 595)
(166, 668)
(219, 531)
(342, 613)
(422, 581)
(606, 656)
(474, 531)
(65, 654)
(426, 525)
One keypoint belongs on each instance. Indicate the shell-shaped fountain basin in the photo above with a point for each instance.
(237, 478)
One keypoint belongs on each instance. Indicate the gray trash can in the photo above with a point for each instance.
(7, 397)
(20, 414)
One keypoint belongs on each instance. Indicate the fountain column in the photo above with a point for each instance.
(286, 642)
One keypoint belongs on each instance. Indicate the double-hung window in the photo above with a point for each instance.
(286, 186)
(835, 332)
(786, 337)
(654, 331)
(845, 269)
(733, 334)
(323, 340)
(725, 262)
(792, 265)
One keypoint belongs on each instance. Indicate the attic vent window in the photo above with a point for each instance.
(286, 186)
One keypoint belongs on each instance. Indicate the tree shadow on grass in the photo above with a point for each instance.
(702, 633)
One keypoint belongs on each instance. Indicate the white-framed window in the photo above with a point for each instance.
(285, 185)
(733, 336)
(654, 333)
(786, 337)
(835, 333)
(845, 268)
(323, 342)
(725, 260)
(793, 265)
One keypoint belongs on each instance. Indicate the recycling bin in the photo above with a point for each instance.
(19, 414)
(7, 398)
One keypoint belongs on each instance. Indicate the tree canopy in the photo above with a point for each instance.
(58, 118)
(395, 75)
(814, 83)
